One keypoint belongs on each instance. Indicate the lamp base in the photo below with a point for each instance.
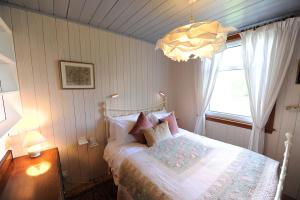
(34, 154)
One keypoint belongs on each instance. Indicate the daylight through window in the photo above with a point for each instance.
(230, 95)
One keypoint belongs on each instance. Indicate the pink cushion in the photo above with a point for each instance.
(172, 123)
(141, 123)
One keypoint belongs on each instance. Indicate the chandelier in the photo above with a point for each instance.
(194, 40)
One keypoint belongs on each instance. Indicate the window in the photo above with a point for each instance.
(230, 97)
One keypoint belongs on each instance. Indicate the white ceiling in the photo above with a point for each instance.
(151, 19)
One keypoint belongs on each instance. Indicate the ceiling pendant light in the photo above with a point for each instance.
(194, 40)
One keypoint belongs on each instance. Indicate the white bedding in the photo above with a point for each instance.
(205, 179)
(115, 153)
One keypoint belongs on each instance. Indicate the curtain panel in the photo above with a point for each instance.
(267, 52)
(206, 71)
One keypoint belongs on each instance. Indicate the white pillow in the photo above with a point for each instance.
(127, 117)
(152, 118)
(160, 111)
(155, 116)
(162, 115)
(119, 129)
(112, 121)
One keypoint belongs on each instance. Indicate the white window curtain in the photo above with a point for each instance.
(267, 53)
(205, 77)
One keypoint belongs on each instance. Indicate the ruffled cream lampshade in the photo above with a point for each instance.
(33, 142)
(195, 40)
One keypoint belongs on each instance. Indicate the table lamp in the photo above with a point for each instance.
(33, 142)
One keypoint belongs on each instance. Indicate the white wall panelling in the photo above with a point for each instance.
(229, 134)
(183, 94)
(123, 65)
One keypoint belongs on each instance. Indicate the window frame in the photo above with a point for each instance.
(239, 120)
(231, 117)
(227, 121)
(215, 117)
(228, 117)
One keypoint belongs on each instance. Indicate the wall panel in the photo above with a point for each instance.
(39, 69)
(67, 102)
(123, 65)
(229, 134)
(55, 95)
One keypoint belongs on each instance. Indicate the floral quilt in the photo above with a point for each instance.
(195, 168)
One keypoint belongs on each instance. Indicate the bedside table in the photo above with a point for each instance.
(33, 178)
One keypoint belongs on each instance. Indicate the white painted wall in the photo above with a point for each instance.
(284, 120)
(123, 65)
(229, 134)
(183, 94)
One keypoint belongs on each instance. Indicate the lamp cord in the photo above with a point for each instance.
(191, 2)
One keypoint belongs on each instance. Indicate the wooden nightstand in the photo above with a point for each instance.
(31, 178)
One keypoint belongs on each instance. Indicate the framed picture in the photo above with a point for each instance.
(76, 75)
(298, 73)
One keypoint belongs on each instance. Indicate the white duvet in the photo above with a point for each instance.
(191, 167)
(115, 153)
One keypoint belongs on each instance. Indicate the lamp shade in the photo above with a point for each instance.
(195, 40)
(33, 138)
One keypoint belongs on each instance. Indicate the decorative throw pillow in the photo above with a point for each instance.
(171, 119)
(157, 134)
(141, 123)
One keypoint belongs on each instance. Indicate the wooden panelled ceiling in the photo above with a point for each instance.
(151, 19)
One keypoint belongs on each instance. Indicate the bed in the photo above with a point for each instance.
(189, 166)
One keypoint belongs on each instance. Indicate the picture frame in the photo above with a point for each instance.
(77, 75)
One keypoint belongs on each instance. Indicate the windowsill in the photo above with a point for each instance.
(238, 121)
(233, 117)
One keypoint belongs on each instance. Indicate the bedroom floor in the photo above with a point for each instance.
(104, 191)
(108, 191)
